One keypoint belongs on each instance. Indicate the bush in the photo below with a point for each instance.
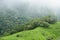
(44, 24)
(36, 23)
(12, 32)
(17, 35)
(18, 27)
(28, 27)
(50, 19)
(40, 22)
(32, 24)
(6, 34)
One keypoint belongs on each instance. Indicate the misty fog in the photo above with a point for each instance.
(30, 8)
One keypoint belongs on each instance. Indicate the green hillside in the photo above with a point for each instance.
(39, 33)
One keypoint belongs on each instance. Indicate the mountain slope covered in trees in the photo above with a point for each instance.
(39, 33)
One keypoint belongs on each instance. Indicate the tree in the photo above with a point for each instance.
(51, 19)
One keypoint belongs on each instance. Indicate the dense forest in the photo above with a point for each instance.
(23, 15)
(12, 22)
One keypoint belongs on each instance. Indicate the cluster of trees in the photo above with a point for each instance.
(42, 22)
(51, 19)
(15, 19)
(11, 24)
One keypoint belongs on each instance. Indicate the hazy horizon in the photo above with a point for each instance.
(31, 5)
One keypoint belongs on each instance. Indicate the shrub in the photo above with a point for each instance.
(6, 34)
(44, 24)
(12, 32)
(28, 27)
(50, 19)
(41, 23)
(31, 25)
(17, 35)
(36, 23)
(18, 27)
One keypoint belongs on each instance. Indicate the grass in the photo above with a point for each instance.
(39, 33)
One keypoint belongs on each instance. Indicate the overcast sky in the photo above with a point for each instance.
(52, 3)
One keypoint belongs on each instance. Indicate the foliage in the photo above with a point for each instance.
(44, 24)
(35, 34)
(17, 35)
(36, 23)
(51, 19)
(10, 24)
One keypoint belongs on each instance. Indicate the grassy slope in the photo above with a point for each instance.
(37, 34)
